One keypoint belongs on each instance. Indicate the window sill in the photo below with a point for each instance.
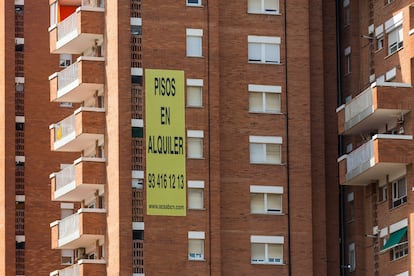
(397, 207)
(194, 106)
(262, 62)
(195, 158)
(265, 112)
(266, 263)
(394, 52)
(265, 163)
(269, 214)
(201, 57)
(196, 209)
(197, 260)
(265, 13)
(194, 6)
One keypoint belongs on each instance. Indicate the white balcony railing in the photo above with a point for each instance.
(69, 226)
(65, 128)
(359, 108)
(67, 26)
(360, 159)
(68, 75)
(93, 3)
(65, 177)
(73, 270)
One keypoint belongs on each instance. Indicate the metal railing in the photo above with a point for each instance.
(68, 75)
(138, 256)
(65, 177)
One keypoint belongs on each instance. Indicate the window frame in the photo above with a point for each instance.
(347, 54)
(195, 83)
(347, 13)
(261, 42)
(265, 191)
(351, 257)
(263, 9)
(195, 136)
(265, 141)
(195, 185)
(401, 250)
(192, 34)
(196, 236)
(267, 241)
(264, 90)
(398, 198)
(198, 4)
(397, 44)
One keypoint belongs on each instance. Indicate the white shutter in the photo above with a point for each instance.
(271, 6)
(272, 102)
(273, 154)
(256, 203)
(255, 52)
(254, 6)
(255, 102)
(195, 147)
(272, 53)
(258, 252)
(275, 251)
(194, 46)
(195, 198)
(194, 96)
(274, 202)
(257, 153)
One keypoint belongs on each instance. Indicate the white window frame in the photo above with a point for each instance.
(194, 35)
(193, 137)
(198, 4)
(197, 84)
(261, 143)
(199, 187)
(265, 191)
(53, 14)
(399, 196)
(262, 9)
(347, 13)
(394, 30)
(265, 90)
(199, 238)
(260, 42)
(267, 241)
(351, 257)
(347, 53)
(65, 60)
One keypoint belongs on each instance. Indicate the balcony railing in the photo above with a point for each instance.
(79, 230)
(78, 82)
(382, 155)
(79, 131)
(79, 181)
(373, 109)
(138, 256)
(80, 30)
(83, 268)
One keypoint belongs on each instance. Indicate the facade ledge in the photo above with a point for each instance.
(89, 159)
(87, 108)
(56, 222)
(92, 261)
(91, 210)
(339, 108)
(90, 58)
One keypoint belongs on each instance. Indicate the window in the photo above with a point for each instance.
(65, 60)
(196, 245)
(382, 193)
(347, 13)
(193, 2)
(53, 14)
(347, 53)
(194, 42)
(379, 36)
(266, 199)
(263, 6)
(194, 93)
(265, 150)
(266, 249)
(195, 144)
(195, 194)
(264, 49)
(351, 257)
(264, 98)
(399, 192)
(394, 30)
(349, 210)
(67, 257)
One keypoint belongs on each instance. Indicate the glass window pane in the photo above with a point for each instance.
(196, 249)
(274, 203)
(255, 102)
(255, 52)
(257, 154)
(275, 252)
(272, 102)
(273, 154)
(195, 198)
(194, 96)
(257, 203)
(254, 6)
(271, 5)
(258, 252)
(272, 53)
(194, 46)
(195, 147)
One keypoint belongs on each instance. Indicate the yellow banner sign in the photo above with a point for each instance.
(165, 142)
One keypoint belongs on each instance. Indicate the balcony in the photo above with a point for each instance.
(84, 267)
(80, 30)
(79, 230)
(78, 82)
(79, 131)
(79, 181)
(373, 108)
(383, 155)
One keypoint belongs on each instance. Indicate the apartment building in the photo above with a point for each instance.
(375, 126)
(185, 137)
